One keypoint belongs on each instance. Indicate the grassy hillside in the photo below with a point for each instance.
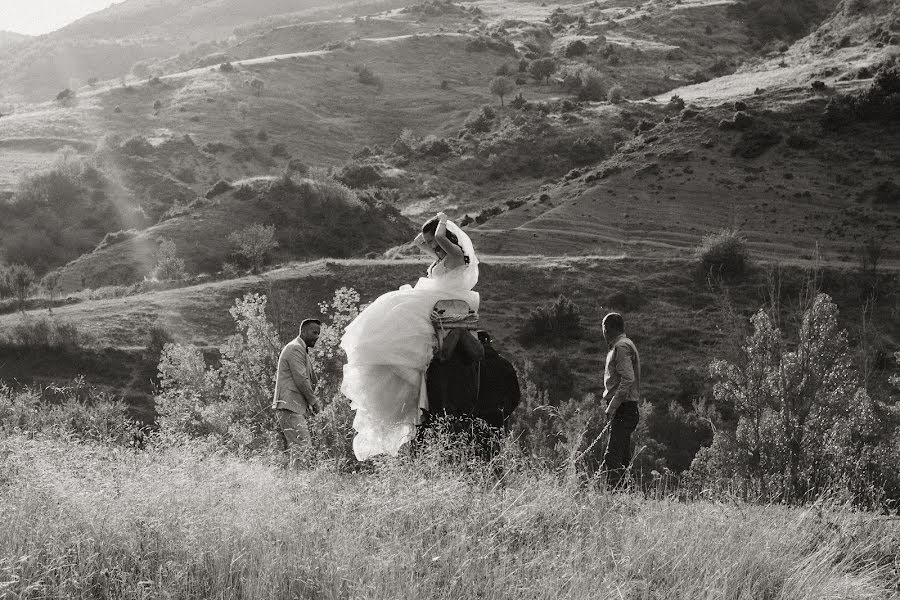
(234, 528)
(789, 184)
(108, 43)
(677, 319)
(311, 218)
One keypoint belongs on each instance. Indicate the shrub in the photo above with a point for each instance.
(519, 102)
(615, 95)
(676, 102)
(218, 188)
(434, 146)
(254, 244)
(554, 376)
(576, 48)
(359, 175)
(585, 82)
(65, 96)
(542, 68)
(157, 105)
(479, 120)
(806, 425)
(18, 281)
(215, 147)
(73, 410)
(226, 67)
(137, 146)
(295, 165)
(169, 267)
(501, 86)
(365, 76)
(724, 254)
(557, 322)
(34, 335)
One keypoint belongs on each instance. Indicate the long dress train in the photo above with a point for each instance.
(389, 346)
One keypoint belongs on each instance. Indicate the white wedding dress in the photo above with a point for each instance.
(389, 346)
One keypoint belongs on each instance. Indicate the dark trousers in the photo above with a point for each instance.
(618, 452)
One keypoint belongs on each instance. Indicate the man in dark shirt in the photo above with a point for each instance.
(499, 393)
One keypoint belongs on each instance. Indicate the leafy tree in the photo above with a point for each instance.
(542, 68)
(501, 86)
(169, 267)
(805, 423)
(50, 282)
(254, 243)
(257, 86)
(20, 280)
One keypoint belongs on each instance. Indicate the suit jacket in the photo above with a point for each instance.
(295, 379)
(622, 380)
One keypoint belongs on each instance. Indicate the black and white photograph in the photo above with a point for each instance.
(450, 299)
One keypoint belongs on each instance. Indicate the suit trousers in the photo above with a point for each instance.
(295, 431)
(618, 452)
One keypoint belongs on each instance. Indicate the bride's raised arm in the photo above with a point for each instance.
(424, 247)
(440, 236)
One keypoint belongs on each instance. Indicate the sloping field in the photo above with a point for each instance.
(673, 313)
(791, 187)
(314, 103)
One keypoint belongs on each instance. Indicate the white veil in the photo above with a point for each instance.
(461, 279)
(470, 273)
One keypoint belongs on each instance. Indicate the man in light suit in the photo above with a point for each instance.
(622, 383)
(295, 384)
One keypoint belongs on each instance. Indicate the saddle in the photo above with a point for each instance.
(453, 314)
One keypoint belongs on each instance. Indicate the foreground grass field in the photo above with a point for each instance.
(83, 521)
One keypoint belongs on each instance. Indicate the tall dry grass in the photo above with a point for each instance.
(80, 520)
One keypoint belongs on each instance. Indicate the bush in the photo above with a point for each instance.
(615, 95)
(724, 254)
(557, 322)
(542, 68)
(881, 101)
(169, 267)
(359, 175)
(137, 146)
(18, 281)
(585, 82)
(254, 244)
(37, 335)
(226, 67)
(73, 410)
(501, 86)
(806, 425)
(434, 146)
(576, 48)
(554, 376)
(479, 120)
(65, 96)
(365, 76)
(218, 188)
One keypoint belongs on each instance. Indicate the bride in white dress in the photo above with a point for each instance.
(390, 344)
